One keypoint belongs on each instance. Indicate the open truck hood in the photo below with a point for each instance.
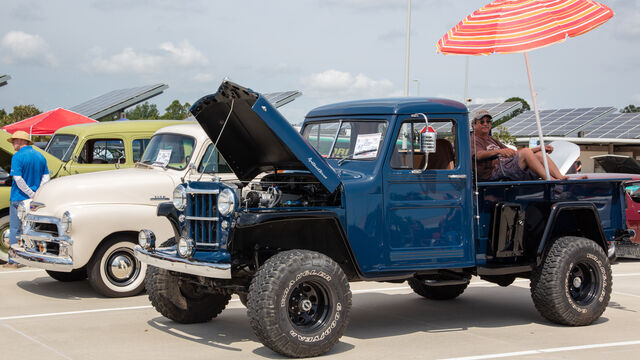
(618, 164)
(256, 137)
(7, 151)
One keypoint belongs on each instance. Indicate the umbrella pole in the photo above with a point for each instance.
(535, 110)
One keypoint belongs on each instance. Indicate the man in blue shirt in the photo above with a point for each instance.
(29, 171)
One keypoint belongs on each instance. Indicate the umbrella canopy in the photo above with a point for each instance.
(47, 123)
(508, 26)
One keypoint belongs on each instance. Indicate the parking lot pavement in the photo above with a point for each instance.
(41, 318)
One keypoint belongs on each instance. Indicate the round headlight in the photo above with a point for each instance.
(180, 197)
(146, 239)
(22, 210)
(65, 223)
(226, 202)
(185, 247)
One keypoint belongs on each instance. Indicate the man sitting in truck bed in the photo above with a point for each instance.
(524, 164)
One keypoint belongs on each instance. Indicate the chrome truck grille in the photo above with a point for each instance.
(201, 216)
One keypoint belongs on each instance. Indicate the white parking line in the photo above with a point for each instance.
(74, 312)
(546, 351)
(36, 341)
(626, 294)
(20, 271)
(479, 283)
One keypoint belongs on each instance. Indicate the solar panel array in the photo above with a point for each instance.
(117, 100)
(278, 99)
(614, 126)
(4, 79)
(561, 122)
(497, 110)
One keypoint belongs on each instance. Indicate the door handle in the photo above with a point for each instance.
(457, 176)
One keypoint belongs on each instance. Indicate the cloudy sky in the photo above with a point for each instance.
(61, 53)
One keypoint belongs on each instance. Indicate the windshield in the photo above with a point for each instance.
(169, 150)
(61, 146)
(355, 139)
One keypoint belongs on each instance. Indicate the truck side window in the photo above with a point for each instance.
(102, 151)
(406, 152)
(138, 146)
(212, 162)
(407, 155)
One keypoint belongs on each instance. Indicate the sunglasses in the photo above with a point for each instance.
(484, 121)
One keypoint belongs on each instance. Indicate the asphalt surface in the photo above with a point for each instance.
(41, 318)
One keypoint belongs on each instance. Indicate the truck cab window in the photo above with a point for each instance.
(138, 146)
(353, 139)
(102, 151)
(408, 155)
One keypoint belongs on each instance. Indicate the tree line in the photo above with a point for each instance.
(144, 111)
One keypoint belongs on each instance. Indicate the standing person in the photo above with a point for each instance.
(29, 170)
(524, 164)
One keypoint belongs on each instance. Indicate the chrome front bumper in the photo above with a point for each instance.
(26, 252)
(168, 259)
(38, 260)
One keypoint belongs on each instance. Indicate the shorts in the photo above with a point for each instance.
(508, 169)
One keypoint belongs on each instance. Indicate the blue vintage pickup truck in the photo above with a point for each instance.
(373, 190)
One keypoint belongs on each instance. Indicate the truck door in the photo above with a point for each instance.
(428, 213)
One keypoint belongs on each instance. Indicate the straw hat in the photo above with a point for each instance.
(20, 135)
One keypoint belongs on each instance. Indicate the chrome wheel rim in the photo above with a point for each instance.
(121, 267)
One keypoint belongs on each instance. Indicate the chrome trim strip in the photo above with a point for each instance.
(191, 190)
(167, 258)
(42, 261)
(202, 218)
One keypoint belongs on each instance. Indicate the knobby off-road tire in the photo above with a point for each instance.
(299, 303)
(178, 304)
(446, 292)
(114, 271)
(573, 284)
(73, 275)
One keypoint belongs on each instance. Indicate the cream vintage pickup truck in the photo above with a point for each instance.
(87, 225)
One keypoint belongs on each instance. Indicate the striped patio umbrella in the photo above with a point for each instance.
(511, 26)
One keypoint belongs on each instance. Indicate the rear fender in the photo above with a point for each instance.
(584, 220)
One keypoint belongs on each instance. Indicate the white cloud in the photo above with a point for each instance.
(127, 61)
(184, 55)
(636, 98)
(339, 84)
(131, 61)
(27, 48)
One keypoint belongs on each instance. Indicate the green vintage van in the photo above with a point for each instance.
(80, 149)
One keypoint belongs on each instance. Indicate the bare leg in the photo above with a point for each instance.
(553, 168)
(526, 158)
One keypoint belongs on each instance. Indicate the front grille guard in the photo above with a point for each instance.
(201, 215)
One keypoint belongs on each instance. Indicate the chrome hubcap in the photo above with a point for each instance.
(5, 238)
(121, 267)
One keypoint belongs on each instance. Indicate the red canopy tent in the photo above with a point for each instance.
(47, 123)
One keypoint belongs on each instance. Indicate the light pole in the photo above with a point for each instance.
(417, 85)
(408, 43)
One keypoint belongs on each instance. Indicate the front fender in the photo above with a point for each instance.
(92, 224)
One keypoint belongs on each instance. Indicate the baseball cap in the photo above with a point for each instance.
(481, 113)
